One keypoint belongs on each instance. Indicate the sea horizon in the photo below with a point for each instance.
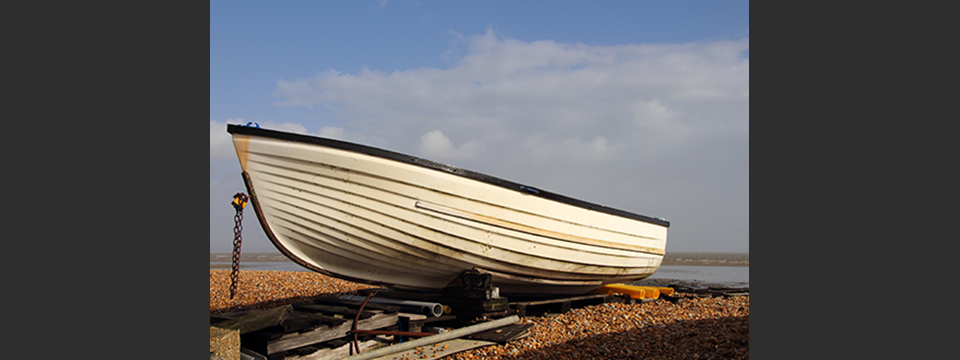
(670, 258)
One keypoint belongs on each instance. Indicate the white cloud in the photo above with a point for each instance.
(332, 132)
(572, 150)
(288, 127)
(649, 128)
(654, 116)
(436, 145)
(506, 86)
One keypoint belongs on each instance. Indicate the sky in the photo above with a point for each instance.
(641, 106)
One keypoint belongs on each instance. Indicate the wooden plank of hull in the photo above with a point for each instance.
(367, 213)
(363, 199)
(366, 254)
(375, 220)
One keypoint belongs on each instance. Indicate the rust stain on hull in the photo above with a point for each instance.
(242, 144)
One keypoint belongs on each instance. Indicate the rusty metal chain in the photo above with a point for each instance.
(239, 201)
(355, 333)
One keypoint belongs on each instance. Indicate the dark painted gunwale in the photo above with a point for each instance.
(412, 160)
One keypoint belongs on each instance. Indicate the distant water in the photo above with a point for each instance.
(707, 259)
(714, 268)
(731, 276)
(725, 269)
(256, 261)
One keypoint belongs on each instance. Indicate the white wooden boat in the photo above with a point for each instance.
(374, 216)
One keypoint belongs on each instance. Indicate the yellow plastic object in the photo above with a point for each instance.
(665, 291)
(651, 292)
(636, 292)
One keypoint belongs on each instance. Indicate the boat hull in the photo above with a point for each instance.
(373, 216)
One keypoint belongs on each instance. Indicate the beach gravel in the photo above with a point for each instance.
(260, 289)
(696, 327)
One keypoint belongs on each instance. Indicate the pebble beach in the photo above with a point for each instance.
(695, 327)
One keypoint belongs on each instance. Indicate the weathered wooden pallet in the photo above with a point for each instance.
(437, 351)
(251, 320)
(322, 329)
(412, 322)
(311, 324)
(504, 334)
(329, 350)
